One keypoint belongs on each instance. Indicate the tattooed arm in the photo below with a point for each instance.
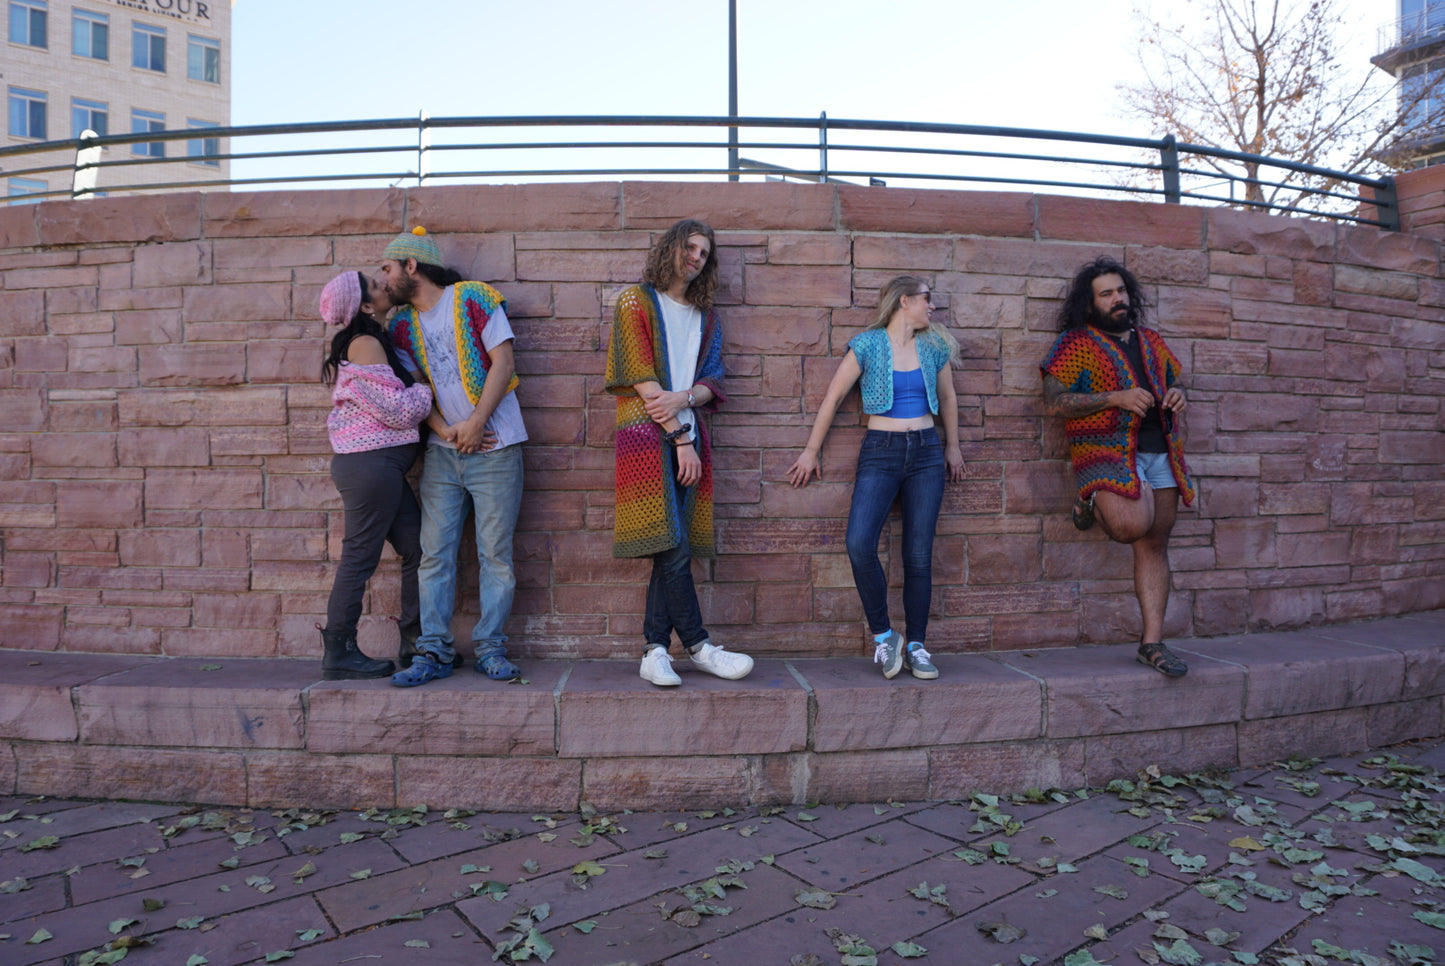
(1058, 401)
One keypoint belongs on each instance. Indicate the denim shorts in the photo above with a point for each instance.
(1154, 470)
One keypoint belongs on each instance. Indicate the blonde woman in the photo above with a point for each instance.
(904, 363)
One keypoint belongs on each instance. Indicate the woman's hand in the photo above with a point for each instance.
(953, 459)
(804, 468)
(662, 405)
(689, 465)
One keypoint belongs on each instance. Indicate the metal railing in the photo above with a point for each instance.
(822, 149)
(1417, 28)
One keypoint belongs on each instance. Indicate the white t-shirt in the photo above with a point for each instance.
(439, 329)
(683, 325)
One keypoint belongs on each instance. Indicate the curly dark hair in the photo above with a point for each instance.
(661, 270)
(1078, 307)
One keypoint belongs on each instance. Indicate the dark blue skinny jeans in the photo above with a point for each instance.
(907, 467)
(671, 595)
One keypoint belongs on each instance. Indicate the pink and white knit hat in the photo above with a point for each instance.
(341, 299)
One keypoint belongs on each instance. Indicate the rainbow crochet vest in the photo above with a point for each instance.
(1104, 446)
(475, 302)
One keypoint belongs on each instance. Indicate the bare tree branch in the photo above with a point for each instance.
(1262, 77)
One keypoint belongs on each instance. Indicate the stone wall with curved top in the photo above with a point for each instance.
(164, 481)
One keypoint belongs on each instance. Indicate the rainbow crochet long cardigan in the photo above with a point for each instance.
(1103, 446)
(475, 303)
(647, 518)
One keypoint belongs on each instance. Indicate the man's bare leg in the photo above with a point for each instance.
(1151, 565)
(1122, 519)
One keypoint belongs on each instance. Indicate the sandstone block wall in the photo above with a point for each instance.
(164, 482)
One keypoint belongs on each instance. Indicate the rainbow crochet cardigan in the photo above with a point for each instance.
(475, 302)
(1104, 445)
(647, 518)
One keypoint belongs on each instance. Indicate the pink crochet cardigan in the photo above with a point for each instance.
(371, 409)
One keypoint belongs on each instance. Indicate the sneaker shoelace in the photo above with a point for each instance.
(880, 653)
(920, 653)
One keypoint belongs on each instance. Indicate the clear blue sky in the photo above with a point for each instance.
(1050, 64)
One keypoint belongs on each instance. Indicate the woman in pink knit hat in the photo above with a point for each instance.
(375, 408)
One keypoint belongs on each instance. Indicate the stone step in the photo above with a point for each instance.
(271, 733)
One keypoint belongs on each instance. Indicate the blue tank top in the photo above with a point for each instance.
(910, 398)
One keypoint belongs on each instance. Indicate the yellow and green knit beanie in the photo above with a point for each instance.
(414, 244)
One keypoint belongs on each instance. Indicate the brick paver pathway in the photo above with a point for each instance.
(1340, 859)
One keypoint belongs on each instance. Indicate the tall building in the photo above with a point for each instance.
(1412, 50)
(115, 67)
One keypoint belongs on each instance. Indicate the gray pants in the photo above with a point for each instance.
(380, 509)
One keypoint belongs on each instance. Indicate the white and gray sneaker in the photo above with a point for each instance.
(657, 668)
(725, 664)
(889, 653)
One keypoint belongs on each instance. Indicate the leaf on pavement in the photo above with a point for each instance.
(816, 899)
(1179, 954)
(1001, 932)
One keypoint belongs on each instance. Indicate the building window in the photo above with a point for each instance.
(148, 47)
(20, 187)
(27, 23)
(27, 113)
(88, 115)
(90, 35)
(203, 59)
(142, 122)
(203, 150)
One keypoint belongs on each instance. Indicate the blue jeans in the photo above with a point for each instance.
(491, 483)
(907, 467)
(671, 596)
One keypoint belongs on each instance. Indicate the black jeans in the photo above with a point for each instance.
(380, 509)
(671, 596)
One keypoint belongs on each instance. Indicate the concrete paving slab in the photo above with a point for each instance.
(844, 863)
(441, 882)
(35, 701)
(449, 942)
(198, 703)
(859, 708)
(1054, 921)
(1104, 690)
(632, 876)
(466, 713)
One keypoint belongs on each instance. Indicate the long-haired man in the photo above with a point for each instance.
(1116, 384)
(664, 365)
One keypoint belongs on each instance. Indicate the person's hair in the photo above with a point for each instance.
(1078, 306)
(362, 324)
(661, 270)
(890, 300)
(438, 276)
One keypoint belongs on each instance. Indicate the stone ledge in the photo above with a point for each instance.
(269, 733)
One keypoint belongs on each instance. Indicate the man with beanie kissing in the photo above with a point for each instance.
(456, 335)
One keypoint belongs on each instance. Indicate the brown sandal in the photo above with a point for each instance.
(1163, 660)
(1083, 514)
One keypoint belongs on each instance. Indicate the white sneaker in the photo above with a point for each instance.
(725, 664)
(657, 668)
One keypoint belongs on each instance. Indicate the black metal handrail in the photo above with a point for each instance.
(939, 153)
